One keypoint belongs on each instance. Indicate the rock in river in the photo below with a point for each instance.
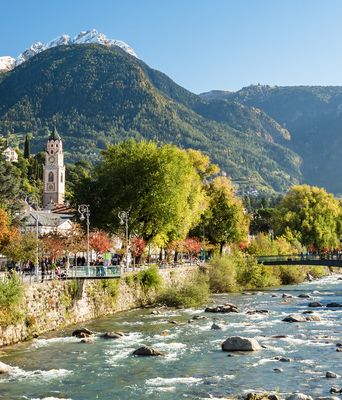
(4, 368)
(215, 326)
(315, 304)
(304, 296)
(302, 318)
(113, 335)
(82, 333)
(298, 396)
(334, 305)
(330, 374)
(147, 351)
(239, 343)
(222, 309)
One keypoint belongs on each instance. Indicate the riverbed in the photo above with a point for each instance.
(58, 366)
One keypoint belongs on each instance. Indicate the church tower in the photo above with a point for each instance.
(54, 171)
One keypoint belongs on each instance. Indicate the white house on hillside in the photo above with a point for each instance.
(10, 155)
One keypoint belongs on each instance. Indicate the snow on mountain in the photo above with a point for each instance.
(6, 63)
(92, 36)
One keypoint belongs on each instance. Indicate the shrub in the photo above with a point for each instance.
(149, 278)
(222, 274)
(192, 293)
(290, 274)
(11, 295)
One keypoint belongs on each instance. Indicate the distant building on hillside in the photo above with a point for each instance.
(10, 155)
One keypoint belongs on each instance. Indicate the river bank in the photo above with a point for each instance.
(58, 366)
(55, 304)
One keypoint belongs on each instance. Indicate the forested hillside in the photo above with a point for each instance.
(96, 95)
(312, 115)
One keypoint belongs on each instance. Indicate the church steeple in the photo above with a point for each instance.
(54, 171)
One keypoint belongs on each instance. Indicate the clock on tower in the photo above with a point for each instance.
(54, 171)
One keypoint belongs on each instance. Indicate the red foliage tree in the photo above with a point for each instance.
(99, 241)
(192, 246)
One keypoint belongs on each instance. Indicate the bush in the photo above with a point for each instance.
(238, 272)
(290, 274)
(192, 293)
(222, 274)
(149, 278)
(11, 295)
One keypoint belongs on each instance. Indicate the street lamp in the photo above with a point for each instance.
(123, 216)
(31, 202)
(83, 209)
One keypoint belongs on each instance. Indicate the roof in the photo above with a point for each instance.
(54, 135)
(45, 218)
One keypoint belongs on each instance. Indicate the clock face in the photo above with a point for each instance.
(51, 159)
(50, 186)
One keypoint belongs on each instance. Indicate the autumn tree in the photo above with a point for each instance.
(54, 245)
(224, 221)
(310, 215)
(99, 241)
(137, 247)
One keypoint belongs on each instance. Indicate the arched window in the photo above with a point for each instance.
(61, 177)
(50, 176)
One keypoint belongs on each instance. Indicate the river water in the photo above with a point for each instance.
(58, 366)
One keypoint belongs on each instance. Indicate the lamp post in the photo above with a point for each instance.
(123, 216)
(36, 217)
(83, 209)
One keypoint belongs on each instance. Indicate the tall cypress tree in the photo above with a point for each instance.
(27, 152)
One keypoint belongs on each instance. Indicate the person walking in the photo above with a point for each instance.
(43, 268)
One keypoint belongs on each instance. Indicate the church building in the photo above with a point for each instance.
(54, 172)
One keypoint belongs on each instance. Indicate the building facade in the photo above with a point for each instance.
(54, 172)
(10, 155)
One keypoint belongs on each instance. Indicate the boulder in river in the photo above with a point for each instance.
(239, 343)
(251, 312)
(87, 340)
(335, 389)
(82, 333)
(282, 359)
(304, 296)
(315, 304)
(215, 326)
(298, 396)
(261, 396)
(334, 305)
(4, 368)
(113, 335)
(147, 351)
(287, 296)
(227, 308)
(330, 374)
(302, 318)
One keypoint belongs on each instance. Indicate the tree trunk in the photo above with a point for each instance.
(221, 248)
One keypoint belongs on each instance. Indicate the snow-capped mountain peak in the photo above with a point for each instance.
(6, 63)
(92, 36)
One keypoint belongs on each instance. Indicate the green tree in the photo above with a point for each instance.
(27, 152)
(309, 215)
(224, 221)
(159, 187)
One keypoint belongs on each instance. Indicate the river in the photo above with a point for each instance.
(58, 366)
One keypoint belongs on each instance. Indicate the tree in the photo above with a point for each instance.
(99, 241)
(309, 215)
(158, 186)
(27, 152)
(20, 246)
(137, 247)
(224, 221)
(54, 245)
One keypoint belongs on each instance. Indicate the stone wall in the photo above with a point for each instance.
(55, 304)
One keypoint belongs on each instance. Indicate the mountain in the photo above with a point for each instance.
(98, 94)
(313, 116)
(85, 37)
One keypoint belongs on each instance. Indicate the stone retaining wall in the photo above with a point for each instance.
(55, 304)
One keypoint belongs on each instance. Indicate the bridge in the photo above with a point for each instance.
(329, 260)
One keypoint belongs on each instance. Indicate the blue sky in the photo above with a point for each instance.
(201, 44)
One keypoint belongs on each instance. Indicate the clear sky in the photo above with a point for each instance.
(201, 44)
